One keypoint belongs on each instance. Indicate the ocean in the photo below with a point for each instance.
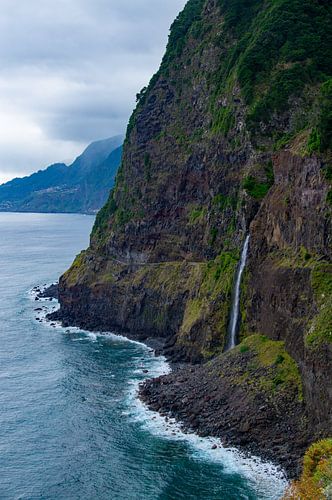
(71, 426)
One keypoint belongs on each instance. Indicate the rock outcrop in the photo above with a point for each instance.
(230, 137)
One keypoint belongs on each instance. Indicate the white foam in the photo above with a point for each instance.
(268, 480)
(48, 306)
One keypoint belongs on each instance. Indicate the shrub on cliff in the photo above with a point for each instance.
(321, 136)
(280, 50)
(316, 480)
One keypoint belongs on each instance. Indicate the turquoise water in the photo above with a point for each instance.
(70, 424)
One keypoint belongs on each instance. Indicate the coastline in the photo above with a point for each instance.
(167, 411)
(267, 479)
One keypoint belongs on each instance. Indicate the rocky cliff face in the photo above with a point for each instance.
(230, 137)
(289, 290)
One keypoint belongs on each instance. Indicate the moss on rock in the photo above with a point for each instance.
(321, 326)
(208, 307)
(281, 371)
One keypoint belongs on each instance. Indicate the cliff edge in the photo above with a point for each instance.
(231, 137)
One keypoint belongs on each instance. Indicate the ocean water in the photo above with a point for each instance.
(71, 426)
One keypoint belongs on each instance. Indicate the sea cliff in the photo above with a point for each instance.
(231, 137)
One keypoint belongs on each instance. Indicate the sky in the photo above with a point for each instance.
(70, 71)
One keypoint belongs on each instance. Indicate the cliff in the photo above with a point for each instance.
(81, 187)
(232, 136)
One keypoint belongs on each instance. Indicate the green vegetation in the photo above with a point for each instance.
(316, 480)
(328, 172)
(321, 136)
(321, 326)
(210, 304)
(254, 188)
(257, 189)
(213, 235)
(329, 197)
(224, 120)
(180, 28)
(76, 270)
(122, 217)
(196, 215)
(277, 50)
(101, 223)
(283, 141)
(222, 202)
(291, 258)
(281, 371)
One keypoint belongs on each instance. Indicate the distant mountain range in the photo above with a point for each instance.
(82, 187)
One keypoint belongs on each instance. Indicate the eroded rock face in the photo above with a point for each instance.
(194, 180)
(178, 205)
(291, 236)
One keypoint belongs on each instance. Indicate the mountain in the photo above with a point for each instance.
(82, 187)
(232, 138)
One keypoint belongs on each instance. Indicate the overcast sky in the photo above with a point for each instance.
(70, 71)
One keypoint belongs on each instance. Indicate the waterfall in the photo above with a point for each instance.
(235, 311)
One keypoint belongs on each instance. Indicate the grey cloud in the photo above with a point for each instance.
(70, 70)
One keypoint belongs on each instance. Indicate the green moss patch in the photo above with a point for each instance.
(321, 326)
(258, 189)
(209, 304)
(278, 369)
(77, 269)
(197, 215)
(320, 139)
(254, 188)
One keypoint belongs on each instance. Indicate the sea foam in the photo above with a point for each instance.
(268, 480)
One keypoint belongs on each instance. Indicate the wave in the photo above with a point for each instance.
(268, 480)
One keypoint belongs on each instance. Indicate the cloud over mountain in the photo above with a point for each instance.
(70, 72)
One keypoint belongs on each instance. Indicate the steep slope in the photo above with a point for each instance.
(81, 187)
(232, 135)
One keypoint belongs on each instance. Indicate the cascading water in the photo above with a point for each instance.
(235, 311)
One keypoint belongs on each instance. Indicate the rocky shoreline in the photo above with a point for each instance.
(208, 400)
(212, 401)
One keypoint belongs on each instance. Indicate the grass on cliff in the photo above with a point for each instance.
(280, 370)
(76, 270)
(321, 136)
(102, 219)
(274, 49)
(278, 49)
(211, 303)
(186, 20)
(196, 215)
(316, 480)
(321, 326)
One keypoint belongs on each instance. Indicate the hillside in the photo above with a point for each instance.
(232, 137)
(81, 187)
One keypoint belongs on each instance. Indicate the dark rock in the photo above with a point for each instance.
(162, 258)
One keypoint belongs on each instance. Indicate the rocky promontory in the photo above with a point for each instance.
(231, 137)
